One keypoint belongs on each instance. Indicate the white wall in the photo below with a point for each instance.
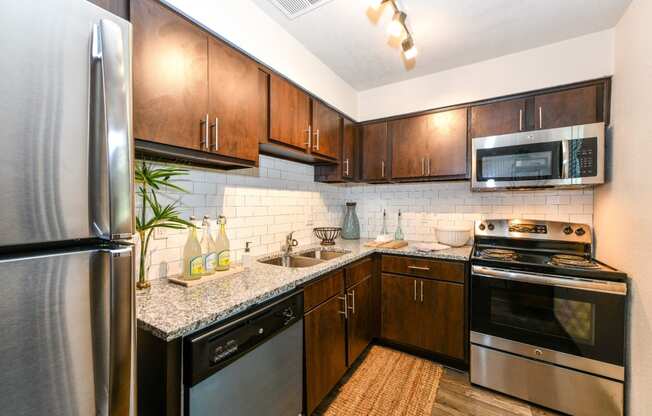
(623, 220)
(242, 23)
(583, 58)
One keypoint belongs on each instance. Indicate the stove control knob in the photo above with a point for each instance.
(491, 227)
(580, 232)
(568, 230)
(482, 227)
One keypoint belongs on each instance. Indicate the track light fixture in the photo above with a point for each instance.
(397, 27)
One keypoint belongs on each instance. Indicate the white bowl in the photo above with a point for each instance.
(453, 235)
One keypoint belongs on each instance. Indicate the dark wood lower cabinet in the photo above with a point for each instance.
(325, 350)
(360, 325)
(441, 318)
(399, 309)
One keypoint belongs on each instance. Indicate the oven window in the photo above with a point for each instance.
(552, 317)
(523, 162)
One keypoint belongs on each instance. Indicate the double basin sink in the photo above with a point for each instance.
(305, 259)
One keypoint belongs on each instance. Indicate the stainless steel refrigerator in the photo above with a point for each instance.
(66, 207)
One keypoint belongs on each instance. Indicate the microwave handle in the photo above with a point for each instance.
(565, 159)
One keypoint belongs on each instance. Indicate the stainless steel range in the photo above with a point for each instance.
(547, 320)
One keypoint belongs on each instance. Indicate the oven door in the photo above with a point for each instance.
(582, 317)
(568, 156)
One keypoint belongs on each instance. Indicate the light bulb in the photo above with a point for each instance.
(410, 50)
(395, 28)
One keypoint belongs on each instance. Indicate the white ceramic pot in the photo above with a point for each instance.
(453, 235)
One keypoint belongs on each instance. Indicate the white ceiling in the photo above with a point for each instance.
(352, 41)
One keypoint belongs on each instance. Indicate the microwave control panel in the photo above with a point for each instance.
(583, 157)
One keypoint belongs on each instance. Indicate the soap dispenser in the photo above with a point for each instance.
(247, 258)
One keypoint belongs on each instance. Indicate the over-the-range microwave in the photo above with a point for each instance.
(563, 157)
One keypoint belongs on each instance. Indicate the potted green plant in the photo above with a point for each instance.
(152, 213)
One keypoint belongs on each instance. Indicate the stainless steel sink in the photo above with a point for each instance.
(292, 261)
(323, 254)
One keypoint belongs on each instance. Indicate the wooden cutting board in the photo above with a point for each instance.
(389, 244)
(205, 279)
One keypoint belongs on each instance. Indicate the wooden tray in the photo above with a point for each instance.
(388, 244)
(205, 279)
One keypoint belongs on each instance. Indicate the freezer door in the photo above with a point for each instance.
(66, 154)
(68, 334)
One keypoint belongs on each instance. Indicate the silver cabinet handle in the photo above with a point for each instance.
(425, 269)
(415, 290)
(421, 291)
(110, 137)
(346, 171)
(352, 307)
(540, 117)
(217, 134)
(316, 146)
(520, 120)
(309, 142)
(382, 168)
(428, 166)
(204, 126)
(346, 306)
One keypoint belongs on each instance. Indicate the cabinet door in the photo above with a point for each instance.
(409, 137)
(233, 102)
(325, 350)
(567, 108)
(361, 315)
(326, 130)
(446, 143)
(501, 117)
(170, 77)
(289, 114)
(441, 316)
(375, 152)
(399, 321)
(348, 160)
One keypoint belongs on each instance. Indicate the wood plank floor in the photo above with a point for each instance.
(457, 397)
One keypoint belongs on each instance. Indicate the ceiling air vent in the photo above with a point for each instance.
(295, 8)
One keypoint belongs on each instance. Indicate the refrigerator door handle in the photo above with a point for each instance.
(111, 148)
(115, 315)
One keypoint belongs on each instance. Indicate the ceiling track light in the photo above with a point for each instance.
(397, 27)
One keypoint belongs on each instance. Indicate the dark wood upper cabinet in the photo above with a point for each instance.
(326, 131)
(441, 317)
(289, 110)
(117, 7)
(431, 145)
(375, 152)
(447, 144)
(325, 350)
(234, 96)
(409, 137)
(349, 161)
(502, 117)
(170, 77)
(569, 107)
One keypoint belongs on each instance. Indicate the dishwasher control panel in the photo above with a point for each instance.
(216, 347)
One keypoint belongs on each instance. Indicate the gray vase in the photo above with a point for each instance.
(351, 226)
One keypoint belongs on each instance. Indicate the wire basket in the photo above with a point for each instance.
(327, 235)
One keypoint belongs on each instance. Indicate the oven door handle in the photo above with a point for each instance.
(616, 288)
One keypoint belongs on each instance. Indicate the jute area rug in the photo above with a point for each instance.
(387, 382)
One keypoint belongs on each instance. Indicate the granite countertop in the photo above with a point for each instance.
(170, 311)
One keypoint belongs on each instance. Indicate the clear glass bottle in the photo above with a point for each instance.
(383, 231)
(351, 225)
(193, 261)
(222, 246)
(247, 258)
(398, 234)
(208, 249)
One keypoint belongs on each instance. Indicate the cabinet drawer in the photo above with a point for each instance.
(359, 271)
(434, 269)
(323, 289)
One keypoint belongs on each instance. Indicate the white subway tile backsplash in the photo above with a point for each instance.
(263, 204)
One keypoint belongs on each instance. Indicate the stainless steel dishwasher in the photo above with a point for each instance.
(250, 366)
